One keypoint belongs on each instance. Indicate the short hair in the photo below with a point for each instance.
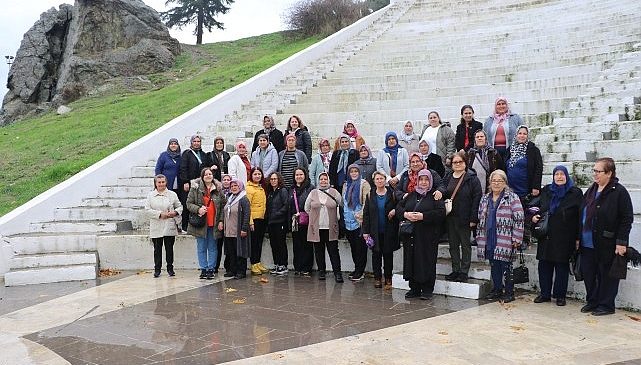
(499, 173)
(378, 173)
(608, 165)
(159, 176)
(281, 182)
(460, 154)
(263, 136)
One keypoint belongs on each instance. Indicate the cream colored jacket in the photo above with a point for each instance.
(156, 203)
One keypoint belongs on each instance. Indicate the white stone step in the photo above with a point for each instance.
(117, 191)
(473, 289)
(50, 275)
(146, 181)
(52, 260)
(96, 213)
(35, 243)
(478, 270)
(84, 226)
(115, 202)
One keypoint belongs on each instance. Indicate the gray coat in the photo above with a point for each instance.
(512, 125)
(243, 243)
(270, 163)
(445, 142)
(300, 157)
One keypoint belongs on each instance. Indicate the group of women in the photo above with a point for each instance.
(477, 185)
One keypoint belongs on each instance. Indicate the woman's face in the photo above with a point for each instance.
(364, 153)
(294, 123)
(161, 184)
(391, 142)
(501, 107)
(559, 178)
(257, 176)
(600, 176)
(299, 177)
(468, 115)
(349, 128)
(416, 164)
(291, 144)
(195, 144)
(379, 181)
(267, 123)
(324, 147)
(480, 140)
(354, 174)
(408, 128)
(344, 143)
(458, 164)
(208, 176)
(497, 184)
(433, 119)
(521, 135)
(323, 181)
(219, 145)
(424, 148)
(226, 181)
(173, 146)
(273, 181)
(241, 150)
(235, 189)
(424, 182)
(263, 143)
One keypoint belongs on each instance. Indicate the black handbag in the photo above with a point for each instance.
(405, 230)
(540, 229)
(521, 274)
(196, 220)
(575, 266)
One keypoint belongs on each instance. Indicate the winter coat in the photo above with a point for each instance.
(169, 167)
(389, 241)
(270, 162)
(303, 143)
(237, 168)
(352, 157)
(460, 134)
(509, 227)
(445, 146)
(275, 138)
(563, 226)
(195, 201)
(383, 160)
(190, 167)
(465, 206)
(244, 213)
(257, 201)
(434, 162)
(277, 211)
(534, 166)
(313, 207)
(315, 168)
(513, 122)
(403, 182)
(222, 167)
(300, 157)
(612, 220)
(156, 203)
(494, 159)
(419, 254)
(368, 168)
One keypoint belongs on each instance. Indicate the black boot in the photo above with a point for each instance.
(156, 273)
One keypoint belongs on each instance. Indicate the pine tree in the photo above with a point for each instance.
(202, 12)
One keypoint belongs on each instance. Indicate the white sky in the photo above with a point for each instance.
(246, 18)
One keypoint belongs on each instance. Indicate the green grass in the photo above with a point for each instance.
(41, 152)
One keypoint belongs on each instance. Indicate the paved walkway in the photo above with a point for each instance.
(295, 320)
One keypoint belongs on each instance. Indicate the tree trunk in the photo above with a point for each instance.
(199, 27)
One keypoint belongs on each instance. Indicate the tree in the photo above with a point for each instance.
(202, 12)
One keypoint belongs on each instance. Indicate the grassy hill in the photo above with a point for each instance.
(41, 152)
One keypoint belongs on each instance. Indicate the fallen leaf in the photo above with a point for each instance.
(239, 301)
(517, 328)
(592, 321)
(141, 272)
(444, 333)
(634, 318)
(264, 280)
(230, 290)
(108, 272)
(278, 356)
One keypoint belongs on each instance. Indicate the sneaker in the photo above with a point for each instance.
(171, 272)
(262, 268)
(452, 276)
(338, 277)
(156, 273)
(255, 270)
(321, 275)
(306, 274)
(280, 270)
(351, 274)
(357, 278)
(203, 274)
(210, 275)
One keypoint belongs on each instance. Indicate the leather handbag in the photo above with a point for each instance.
(575, 266)
(521, 274)
(540, 229)
(302, 217)
(406, 227)
(197, 221)
(449, 202)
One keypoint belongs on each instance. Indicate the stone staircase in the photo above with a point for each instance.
(563, 64)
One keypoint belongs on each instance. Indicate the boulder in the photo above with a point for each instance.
(71, 51)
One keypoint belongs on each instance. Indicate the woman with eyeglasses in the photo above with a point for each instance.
(606, 221)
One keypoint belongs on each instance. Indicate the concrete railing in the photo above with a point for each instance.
(85, 183)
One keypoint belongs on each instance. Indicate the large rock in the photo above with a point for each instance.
(71, 51)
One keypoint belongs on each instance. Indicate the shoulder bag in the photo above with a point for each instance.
(449, 202)
(541, 227)
(406, 227)
(521, 274)
(198, 221)
(302, 217)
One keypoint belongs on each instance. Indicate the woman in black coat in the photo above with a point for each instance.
(561, 201)
(192, 161)
(380, 207)
(605, 232)
(303, 250)
(464, 139)
(421, 249)
(219, 158)
(277, 215)
(276, 137)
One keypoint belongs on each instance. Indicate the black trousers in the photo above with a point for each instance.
(382, 259)
(168, 242)
(359, 250)
(237, 265)
(221, 244)
(332, 250)
(257, 240)
(182, 196)
(426, 287)
(278, 241)
(559, 272)
(601, 289)
(303, 250)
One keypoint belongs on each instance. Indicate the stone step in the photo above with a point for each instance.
(97, 226)
(478, 270)
(44, 275)
(88, 213)
(36, 243)
(52, 260)
(115, 202)
(119, 191)
(473, 289)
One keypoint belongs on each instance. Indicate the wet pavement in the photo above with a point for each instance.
(237, 319)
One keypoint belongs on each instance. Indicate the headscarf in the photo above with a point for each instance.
(354, 134)
(500, 118)
(482, 151)
(344, 154)
(171, 153)
(234, 198)
(191, 142)
(226, 190)
(559, 191)
(241, 184)
(353, 188)
(369, 153)
(393, 151)
(240, 143)
(412, 176)
(407, 137)
(517, 150)
(219, 138)
(424, 172)
(271, 127)
(325, 157)
(422, 156)
(328, 185)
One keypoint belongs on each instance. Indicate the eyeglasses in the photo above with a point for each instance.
(273, 178)
(497, 181)
(457, 162)
(598, 171)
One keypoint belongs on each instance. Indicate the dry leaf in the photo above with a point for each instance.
(444, 333)
(108, 272)
(592, 321)
(517, 328)
(634, 318)
(230, 290)
(264, 280)
(239, 301)
(141, 272)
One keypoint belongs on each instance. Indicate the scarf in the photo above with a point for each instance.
(559, 191)
(500, 118)
(517, 152)
(353, 189)
(344, 155)
(392, 151)
(272, 127)
(171, 153)
(424, 172)
(325, 157)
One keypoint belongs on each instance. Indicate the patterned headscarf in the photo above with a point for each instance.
(517, 150)
(353, 188)
(500, 118)
(424, 172)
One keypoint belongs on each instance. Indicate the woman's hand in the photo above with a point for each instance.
(186, 187)
(366, 236)
(536, 218)
(437, 195)
(251, 227)
(164, 215)
(393, 182)
(620, 250)
(202, 210)
(221, 226)
(243, 234)
(413, 216)
(391, 214)
(535, 192)
(472, 224)
(214, 167)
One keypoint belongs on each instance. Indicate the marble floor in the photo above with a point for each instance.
(135, 319)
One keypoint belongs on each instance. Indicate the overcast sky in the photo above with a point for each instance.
(246, 18)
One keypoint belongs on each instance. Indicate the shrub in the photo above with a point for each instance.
(324, 17)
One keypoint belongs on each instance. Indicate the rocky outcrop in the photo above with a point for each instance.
(71, 51)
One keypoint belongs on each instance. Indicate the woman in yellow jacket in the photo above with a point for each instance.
(257, 205)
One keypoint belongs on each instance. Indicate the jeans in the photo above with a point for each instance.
(207, 250)
(169, 251)
(502, 276)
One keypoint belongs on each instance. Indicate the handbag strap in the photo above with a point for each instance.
(330, 195)
(521, 257)
(417, 203)
(458, 185)
(296, 201)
